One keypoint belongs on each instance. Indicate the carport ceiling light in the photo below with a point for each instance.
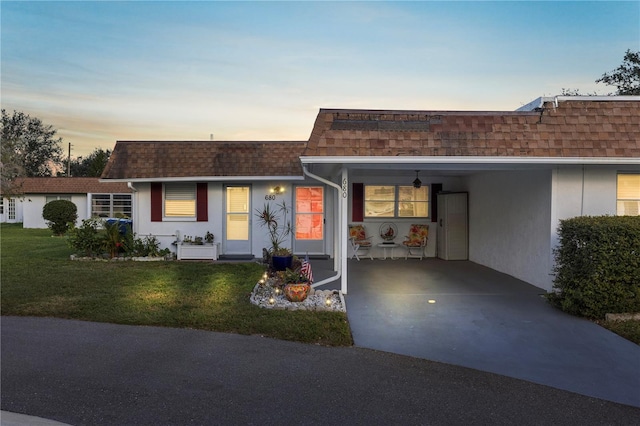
(417, 183)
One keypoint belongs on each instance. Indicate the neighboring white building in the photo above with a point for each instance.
(523, 172)
(92, 198)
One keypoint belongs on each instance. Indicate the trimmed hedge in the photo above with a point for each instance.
(60, 214)
(597, 268)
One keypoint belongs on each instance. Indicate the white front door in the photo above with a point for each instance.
(237, 238)
(309, 223)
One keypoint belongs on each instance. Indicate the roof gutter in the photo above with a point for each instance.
(338, 188)
(465, 160)
(134, 207)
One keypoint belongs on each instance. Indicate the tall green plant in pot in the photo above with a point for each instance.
(279, 229)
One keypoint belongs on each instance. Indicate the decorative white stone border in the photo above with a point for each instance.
(264, 296)
(116, 259)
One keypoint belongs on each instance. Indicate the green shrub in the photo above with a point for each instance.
(597, 268)
(148, 246)
(60, 215)
(96, 237)
(87, 239)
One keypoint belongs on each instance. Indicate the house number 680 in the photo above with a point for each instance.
(270, 197)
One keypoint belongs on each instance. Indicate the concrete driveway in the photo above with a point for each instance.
(465, 314)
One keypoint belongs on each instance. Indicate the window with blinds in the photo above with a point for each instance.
(180, 200)
(101, 205)
(628, 197)
(396, 201)
(111, 205)
(121, 205)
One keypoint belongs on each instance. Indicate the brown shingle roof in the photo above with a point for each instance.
(140, 159)
(577, 128)
(571, 128)
(73, 185)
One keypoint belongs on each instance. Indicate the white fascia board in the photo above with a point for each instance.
(208, 179)
(539, 102)
(617, 98)
(467, 160)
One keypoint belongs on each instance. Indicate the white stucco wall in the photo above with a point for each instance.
(386, 177)
(165, 231)
(584, 191)
(33, 204)
(514, 216)
(509, 220)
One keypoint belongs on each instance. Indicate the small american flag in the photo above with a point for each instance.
(306, 269)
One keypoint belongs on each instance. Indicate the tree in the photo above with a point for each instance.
(92, 165)
(29, 147)
(626, 77)
(10, 169)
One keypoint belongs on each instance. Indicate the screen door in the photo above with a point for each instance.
(236, 234)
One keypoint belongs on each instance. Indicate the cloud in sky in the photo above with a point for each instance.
(106, 71)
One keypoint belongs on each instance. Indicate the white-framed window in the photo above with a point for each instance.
(396, 201)
(180, 200)
(50, 198)
(1, 205)
(111, 205)
(628, 194)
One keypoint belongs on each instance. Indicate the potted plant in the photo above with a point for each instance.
(278, 228)
(208, 237)
(296, 285)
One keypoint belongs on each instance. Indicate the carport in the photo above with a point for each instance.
(466, 314)
(523, 170)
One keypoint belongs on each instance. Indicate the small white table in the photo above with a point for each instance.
(385, 247)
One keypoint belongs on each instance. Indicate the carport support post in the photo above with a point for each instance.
(342, 233)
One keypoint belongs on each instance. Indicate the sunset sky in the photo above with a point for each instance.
(154, 70)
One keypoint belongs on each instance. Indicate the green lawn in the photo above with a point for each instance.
(629, 329)
(39, 279)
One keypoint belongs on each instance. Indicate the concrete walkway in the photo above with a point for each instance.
(465, 314)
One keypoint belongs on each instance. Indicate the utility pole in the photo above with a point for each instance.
(69, 162)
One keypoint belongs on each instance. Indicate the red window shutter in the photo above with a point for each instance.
(202, 204)
(156, 202)
(357, 202)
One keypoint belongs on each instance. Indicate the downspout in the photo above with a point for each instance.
(338, 188)
(134, 207)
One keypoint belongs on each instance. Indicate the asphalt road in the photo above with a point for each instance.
(84, 373)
